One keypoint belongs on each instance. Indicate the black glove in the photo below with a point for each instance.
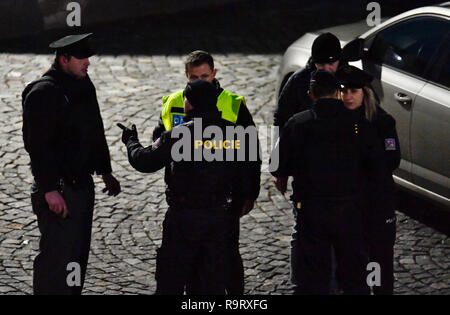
(128, 133)
(112, 185)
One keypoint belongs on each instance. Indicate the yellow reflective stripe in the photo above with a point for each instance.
(227, 102)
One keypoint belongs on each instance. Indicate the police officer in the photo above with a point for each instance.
(64, 136)
(326, 54)
(200, 65)
(379, 204)
(199, 220)
(327, 156)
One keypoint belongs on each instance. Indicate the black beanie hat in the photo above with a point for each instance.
(202, 95)
(326, 48)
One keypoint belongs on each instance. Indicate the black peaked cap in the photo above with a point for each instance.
(74, 45)
(353, 77)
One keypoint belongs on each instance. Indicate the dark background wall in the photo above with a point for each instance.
(168, 26)
(25, 17)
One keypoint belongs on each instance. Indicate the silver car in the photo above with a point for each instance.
(409, 57)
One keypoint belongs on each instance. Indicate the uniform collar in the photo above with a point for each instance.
(70, 84)
(214, 115)
(216, 83)
(326, 107)
(56, 72)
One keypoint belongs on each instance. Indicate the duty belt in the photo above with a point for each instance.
(76, 181)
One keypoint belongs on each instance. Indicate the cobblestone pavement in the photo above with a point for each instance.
(127, 229)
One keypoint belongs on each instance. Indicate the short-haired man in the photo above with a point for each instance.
(199, 64)
(332, 152)
(326, 54)
(64, 136)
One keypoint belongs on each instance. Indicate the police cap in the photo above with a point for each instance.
(326, 48)
(352, 77)
(74, 45)
(202, 95)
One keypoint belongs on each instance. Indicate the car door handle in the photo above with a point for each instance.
(403, 98)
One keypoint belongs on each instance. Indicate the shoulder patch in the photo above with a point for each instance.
(389, 144)
(177, 120)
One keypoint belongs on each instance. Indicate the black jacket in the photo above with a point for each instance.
(387, 140)
(379, 202)
(195, 183)
(63, 129)
(244, 119)
(330, 155)
(386, 131)
(294, 96)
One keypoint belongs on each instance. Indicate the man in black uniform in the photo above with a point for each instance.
(200, 193)
(64, 136)
(326, 54)
(327, 157)
(200, 65)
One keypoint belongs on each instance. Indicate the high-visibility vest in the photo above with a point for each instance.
(173, 108)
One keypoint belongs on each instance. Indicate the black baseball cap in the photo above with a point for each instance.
(326, 48)
(202, 95)
(74, 45)
(352, 77)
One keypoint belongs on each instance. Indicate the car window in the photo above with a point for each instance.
(409, 45)
(440, 72)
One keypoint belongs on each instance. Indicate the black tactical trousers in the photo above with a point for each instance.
(294, 259)
(381, 250)
(65, 243)
(234, 266)
(323, 224)
(380, 233)
(193, 240)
